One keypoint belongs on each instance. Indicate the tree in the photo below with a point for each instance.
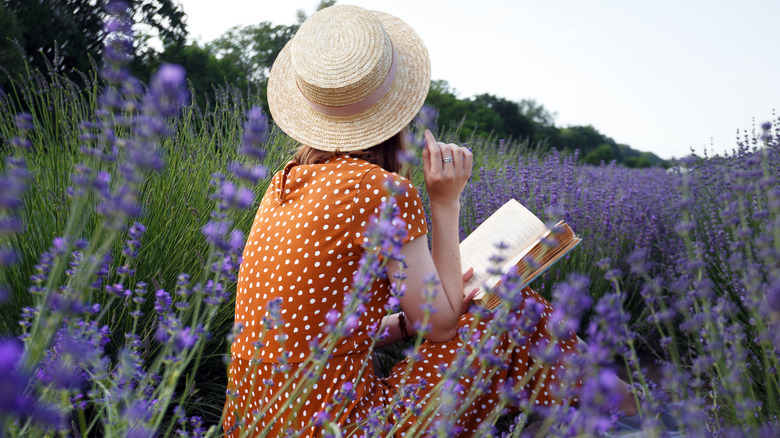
(584, 138)
(204, 70)
(451, 110)
(11, 61)
(253, 49)
(67, 33)
(602, 153)
(482, 115)
(513, 123)
(64, 33)
(536, 112)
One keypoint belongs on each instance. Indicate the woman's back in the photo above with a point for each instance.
(303, 250)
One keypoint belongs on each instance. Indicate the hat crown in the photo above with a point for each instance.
(340, 55)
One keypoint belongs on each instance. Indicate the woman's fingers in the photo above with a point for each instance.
(468, 160)
(447, 168)
(458, 159)
(432, 147)
(468, 274)
(426, 157)
(468, 298)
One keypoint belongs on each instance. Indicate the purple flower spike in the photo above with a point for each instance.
(9, 225)
(59, 246)
(773, 297)
(145, 158)
(215, 232)
(13, 184)
(134, 236)
(184, 339)
(332, 317)
(255, 134)
(426, 118)
(236, 241)
(231, 196)
(8, 257)
(24, 122)
(570, 301)
(117, 7)
(244, 198)
(766, 134)
(10, 353)
(16, 400)
(119, 26)
(168, 90)
(351, 323)
(252, 174)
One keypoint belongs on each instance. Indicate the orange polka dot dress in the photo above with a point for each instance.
(303, 251)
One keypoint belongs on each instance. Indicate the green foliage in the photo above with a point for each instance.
(66, 32)
(67, 35)
(11, 60)
(537, 112)
(510, 121)
(483, 116)
(206, 73)
(253, 49)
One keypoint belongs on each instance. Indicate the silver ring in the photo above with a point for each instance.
(447, 160)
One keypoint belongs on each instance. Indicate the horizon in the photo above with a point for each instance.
(662, 77)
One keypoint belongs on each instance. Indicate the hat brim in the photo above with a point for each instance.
(370, 127)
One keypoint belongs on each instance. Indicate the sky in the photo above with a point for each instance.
(666, 76)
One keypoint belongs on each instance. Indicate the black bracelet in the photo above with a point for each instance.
(402, 326)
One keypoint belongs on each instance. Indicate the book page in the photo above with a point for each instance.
(512, 225)
(543, 254)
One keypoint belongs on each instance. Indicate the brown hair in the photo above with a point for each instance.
(384, 155)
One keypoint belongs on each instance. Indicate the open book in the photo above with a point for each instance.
(531, 248)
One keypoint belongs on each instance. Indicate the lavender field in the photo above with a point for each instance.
(123, 211)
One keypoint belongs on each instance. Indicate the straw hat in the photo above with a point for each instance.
(349, 79)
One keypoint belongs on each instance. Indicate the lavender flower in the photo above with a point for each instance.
(167, 91)
(134, 240)
(13, 183)
(255, 134)
(18, 403)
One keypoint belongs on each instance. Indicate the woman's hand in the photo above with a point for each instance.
(447, 168)
(469, 296)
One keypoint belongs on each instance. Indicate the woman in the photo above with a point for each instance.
(345, 87)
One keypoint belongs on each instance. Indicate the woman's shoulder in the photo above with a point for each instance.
(363, 169)
(376, 176)
(343, 175)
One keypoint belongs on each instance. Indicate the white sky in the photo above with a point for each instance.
(661, 76)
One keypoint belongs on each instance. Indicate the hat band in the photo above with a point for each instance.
(362, 104)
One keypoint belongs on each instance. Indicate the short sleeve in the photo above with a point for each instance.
(372, 193)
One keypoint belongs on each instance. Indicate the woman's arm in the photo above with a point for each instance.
(391, 324)
(444, 182)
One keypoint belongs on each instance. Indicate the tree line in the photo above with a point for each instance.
(66, 36)
(486, 114)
